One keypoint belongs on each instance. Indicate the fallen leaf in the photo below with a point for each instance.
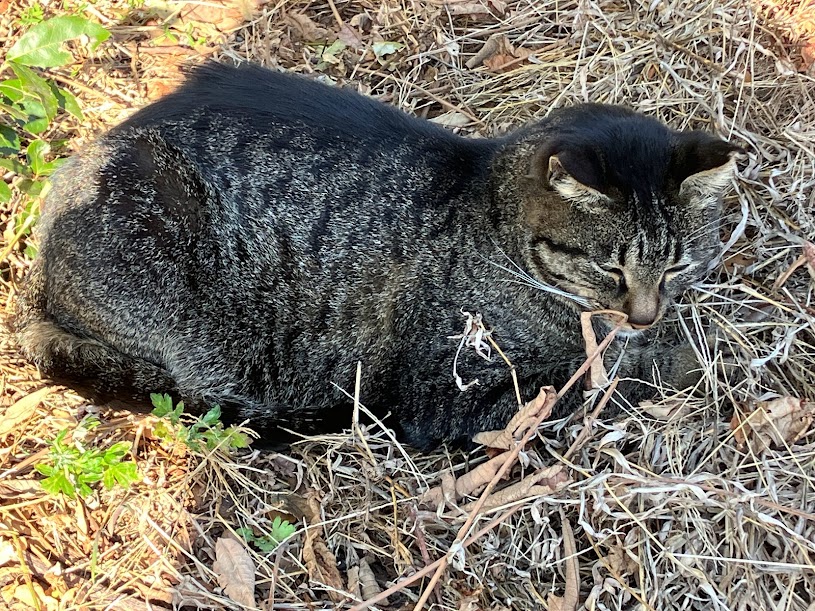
(517, 427)
(235, 570)
(663, 410)
(571, 595)
(542, 482)
(350, 37)
(598, 377)
(368, 584)
(23, 409)
(490, 48)
(451, 118)
(305, 28)
(773, 424)
(322, 564)
(469, 483)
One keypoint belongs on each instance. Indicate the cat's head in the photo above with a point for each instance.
(621, 210)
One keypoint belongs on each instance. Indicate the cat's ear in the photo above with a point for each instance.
(702, 164)
(575, 176)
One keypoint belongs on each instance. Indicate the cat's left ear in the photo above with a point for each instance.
(703, 164)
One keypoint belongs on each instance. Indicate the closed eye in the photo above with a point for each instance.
(677, 269)
(615, 272)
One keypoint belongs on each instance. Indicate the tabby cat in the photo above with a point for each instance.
(246, 240)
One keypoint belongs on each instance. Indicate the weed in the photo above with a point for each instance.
(203, 433)
(280, 531)
(70, 468)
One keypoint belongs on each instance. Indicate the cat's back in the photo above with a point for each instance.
(261, 100)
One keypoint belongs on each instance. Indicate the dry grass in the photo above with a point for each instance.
(668, 512)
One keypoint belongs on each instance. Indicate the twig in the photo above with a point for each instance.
(509, 461)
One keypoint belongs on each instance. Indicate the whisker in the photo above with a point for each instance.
(524, 278)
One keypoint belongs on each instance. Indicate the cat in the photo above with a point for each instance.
(248, 239)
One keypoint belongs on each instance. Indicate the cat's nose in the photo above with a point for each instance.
(642, 308)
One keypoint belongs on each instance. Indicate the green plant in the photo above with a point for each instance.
(280, 531)
(30, 102)
(31, 15)
(70, 469)
(203, 433)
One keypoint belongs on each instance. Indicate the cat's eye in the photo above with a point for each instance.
(676, 269)
(616, 272)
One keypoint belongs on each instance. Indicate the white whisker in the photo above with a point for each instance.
(524, 278)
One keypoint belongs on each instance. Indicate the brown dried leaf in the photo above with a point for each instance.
(350, 37)
(598, 377)
(571, 596)
(809, 247)
(468, 8)
(322, 564)
(544, 481)
(663, 410)
(235, 570)
(368, 584)
(520, 423)
(23, 409)
(773, 424)
(305, 28)
(467, 484)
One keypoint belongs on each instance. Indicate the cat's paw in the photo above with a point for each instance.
(716, 359)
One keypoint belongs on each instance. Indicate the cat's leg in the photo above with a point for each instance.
(93, 367)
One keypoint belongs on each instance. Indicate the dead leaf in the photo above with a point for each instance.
(663, 410)
(305, 28)
(809, 247)
(452, 118)
(598, 377)
(469, 483)
(23, 409)
(520, 423)
(571, 596)
(322, 564)
(542, 482)
(368, 584)
(773, 424)
(350, 37)
(235, 570)
(490, 48)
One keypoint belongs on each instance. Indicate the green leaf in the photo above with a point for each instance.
(42, 45)
(13, 89)
(31, 187)
(124, 474)
(5, 192)
(37, 87)
(246, 533)
(116, 452)
(13, 165)
(212, 416)
(235, 439)
(162, 404)
(46, 470)
(59, 483)
(381, 49)
(68, 102)
(35, 154)
(9, 141)
(30, 251)
(13, 111)
(37, 126)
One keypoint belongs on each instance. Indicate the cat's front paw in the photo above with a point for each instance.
(716, 359)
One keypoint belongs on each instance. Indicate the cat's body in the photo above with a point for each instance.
(247, 240)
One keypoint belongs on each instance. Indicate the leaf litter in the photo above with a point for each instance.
(707, 506)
